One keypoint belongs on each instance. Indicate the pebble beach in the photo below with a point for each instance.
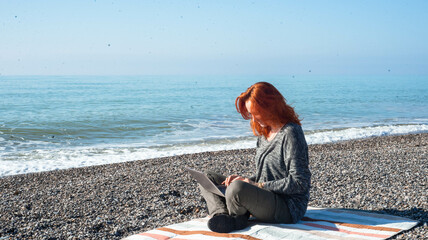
(382, 175)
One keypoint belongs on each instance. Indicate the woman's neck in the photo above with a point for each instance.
(273, 131)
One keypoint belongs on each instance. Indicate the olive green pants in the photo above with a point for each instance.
(244, 198)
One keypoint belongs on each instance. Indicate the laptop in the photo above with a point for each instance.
(206, 183)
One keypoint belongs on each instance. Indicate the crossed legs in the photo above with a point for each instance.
(241, 200)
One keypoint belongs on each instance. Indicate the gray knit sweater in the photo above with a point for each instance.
(283, 165)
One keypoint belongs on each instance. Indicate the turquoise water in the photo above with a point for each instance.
(55, 122)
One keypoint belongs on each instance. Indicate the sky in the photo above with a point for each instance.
(213, 37)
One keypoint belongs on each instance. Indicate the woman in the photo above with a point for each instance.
(279, 191)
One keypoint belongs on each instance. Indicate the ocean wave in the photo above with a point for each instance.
(46, 160)
(38, 160)
(335, 135)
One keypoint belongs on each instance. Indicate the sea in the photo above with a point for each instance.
(59, 122)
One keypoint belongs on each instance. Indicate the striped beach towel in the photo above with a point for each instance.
(318, 223)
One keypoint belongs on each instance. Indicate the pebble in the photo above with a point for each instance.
(381, 175)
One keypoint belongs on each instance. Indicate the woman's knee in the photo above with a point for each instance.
(236, 189)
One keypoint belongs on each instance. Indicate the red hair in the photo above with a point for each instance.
(267, 101)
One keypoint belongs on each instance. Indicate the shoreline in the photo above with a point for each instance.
(67, 157)
(380, 174)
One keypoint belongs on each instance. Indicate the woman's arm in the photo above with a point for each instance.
(295, 153)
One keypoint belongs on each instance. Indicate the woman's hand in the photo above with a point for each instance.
(233, 178)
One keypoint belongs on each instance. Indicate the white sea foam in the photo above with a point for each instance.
(318, 137)
(45, 160)
(52, 159)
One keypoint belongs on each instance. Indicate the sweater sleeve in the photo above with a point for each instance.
(295, 156)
